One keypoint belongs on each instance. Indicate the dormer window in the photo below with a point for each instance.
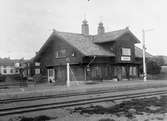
(126, 51)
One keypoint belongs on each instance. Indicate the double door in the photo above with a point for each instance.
(57, 74)
(51, 75)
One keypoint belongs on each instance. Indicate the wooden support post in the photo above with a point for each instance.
(85, 71)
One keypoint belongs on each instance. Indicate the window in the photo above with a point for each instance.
(123, 71)
(37, 71)
(51, 72)
(37, 64)
(17, 65)
(73, 54)
(126, 51)
(28, 72)
(133, 71)
(4, 71)
(11, 71)
(17, 71)
(61, 53)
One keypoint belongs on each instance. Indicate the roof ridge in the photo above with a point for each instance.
(116, 30)
(54, 30)
(112, 32)
(71, 33)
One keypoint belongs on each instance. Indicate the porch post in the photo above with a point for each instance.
(85, 70)
(68, 74)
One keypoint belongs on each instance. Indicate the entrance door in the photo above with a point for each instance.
(125, 72)
(51, 75)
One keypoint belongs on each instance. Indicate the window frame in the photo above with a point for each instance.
(11, 71)
(4, 71)
(126, 52)
(61, 53)
(37, 71)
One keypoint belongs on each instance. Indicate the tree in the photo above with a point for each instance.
(153, 67)
(159, 60)
(2, 78)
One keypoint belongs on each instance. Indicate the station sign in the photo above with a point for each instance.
(125, 58)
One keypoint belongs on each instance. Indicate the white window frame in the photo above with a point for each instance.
(37, 71)
(61, 53)
(126, 51)
(37, 64)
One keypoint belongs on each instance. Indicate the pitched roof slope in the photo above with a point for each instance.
(114, 35)
(84, 44)
(10, 62)
(6, 62)
(139, 53)
(88, 44)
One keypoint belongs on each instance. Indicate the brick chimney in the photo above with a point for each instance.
(85, 27)
(100, 29)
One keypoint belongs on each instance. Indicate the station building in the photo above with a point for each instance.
(104, 56)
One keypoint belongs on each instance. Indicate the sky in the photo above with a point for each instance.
(25, 25)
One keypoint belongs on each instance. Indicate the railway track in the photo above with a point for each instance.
(82, 101)
(95, 91)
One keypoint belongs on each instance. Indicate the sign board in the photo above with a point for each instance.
(125, 58)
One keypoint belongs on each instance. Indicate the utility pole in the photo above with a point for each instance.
(144, 55)
(144, 58)
(68, 74)
(68, 71)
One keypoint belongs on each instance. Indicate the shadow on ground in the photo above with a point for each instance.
(37, 118)
(145, 105)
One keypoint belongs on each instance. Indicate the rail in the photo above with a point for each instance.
(83, 101)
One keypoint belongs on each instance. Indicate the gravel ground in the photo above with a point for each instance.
(145, 109)
(47, 89)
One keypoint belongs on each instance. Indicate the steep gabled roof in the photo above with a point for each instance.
(6, 62)
(88, 45)
(139, 53)
(10, 62)
(113, 36)
(84, 44)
